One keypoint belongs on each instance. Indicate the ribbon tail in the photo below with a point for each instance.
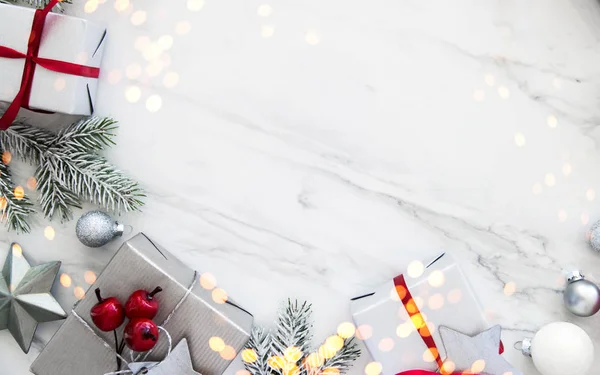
(12, 111)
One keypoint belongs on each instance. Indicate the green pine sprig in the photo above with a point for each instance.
(14, 207)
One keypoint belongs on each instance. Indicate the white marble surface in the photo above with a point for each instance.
(312, 147)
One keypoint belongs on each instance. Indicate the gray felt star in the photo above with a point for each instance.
(479, 352)
(25, 298)
(178, 362)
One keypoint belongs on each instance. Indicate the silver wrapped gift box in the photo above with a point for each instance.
(142, 264)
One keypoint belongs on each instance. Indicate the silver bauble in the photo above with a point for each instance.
(581, 297)
(96, 228)
(594, 236)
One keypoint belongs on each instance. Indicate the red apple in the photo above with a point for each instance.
(140, 334)
(142, 304)
(108, 314)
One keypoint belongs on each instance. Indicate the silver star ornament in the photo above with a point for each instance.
(478, 353)
(25, 298)
(179, 362)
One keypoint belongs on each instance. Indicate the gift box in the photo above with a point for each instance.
(142, 264)
(399, 320)
(62, 69)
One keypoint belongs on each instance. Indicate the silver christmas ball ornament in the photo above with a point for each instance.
(581, 297)
(96, 228)
(594, 236)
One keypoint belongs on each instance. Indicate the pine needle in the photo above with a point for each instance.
(88, 135)
(260, 343)
(293, 328)
(15, 209)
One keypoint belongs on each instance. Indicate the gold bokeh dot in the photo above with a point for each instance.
(264, 10)
(90, 6)
(3, 203)
(121, 5)
(330, 371)
(418, 320)
(552, 121)
(520, 139)
(346, 330)
(503, 92)
(219, 296)
(335, 342)
(386, 344)
(6, 157)
(549, 179)
(133, 94)
(292, 354)
(65, 280)
(373, 368)
(314, 360)
(138, 17)
(49, 233)
(89, 277)
(436, 279)
(208, 281)
(249, 355)
(195, 5)
(228, 353)
(327, 351)
(478, 366)
(404, 330)
(242, 372)
(454, 296)
(276, 362)
(216, 344)
(415, 269)
(153, 103)
(267, 31)
(79, 292)
(430, 355)
(31, 183)
(448, 368)
(510, 288)
(19, 192)
(364, 332)
(165, 42)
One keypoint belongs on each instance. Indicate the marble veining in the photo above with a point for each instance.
(310, 149)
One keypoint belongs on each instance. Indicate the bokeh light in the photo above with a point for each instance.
(430, 355)
(6, 157)
(219, 296)
(520, 139)
(415, 269)
(228, 353)
(549, 179)
(138, 17)
(346, 330)
(249, 355)
(79, 292)
(373, 368)
(510, 288)
(436, 278)
(479, 95)
(65, 280)
(312, 38)
(195, 5)
(552, 121)
(171, 79)
(386, 344)
(133, 94)
(153, 103)
(264, 10)
(208, 281)
(216, 344)
(19, 192)
(49, 233)
(454, 296)
(490, 80)
(89, 277)
(478, 366)
(183, 27)
(31, 183)
(267, 31)
(503, 92)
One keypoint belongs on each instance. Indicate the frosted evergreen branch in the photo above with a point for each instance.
(87, 135)
(260, 343)
(15, 210)
(93, 178)
(26, 142)
(39, 4)
(293, 328)
(55, 198)
(342, 360)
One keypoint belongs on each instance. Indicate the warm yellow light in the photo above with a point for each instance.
(138, 17)
(133, 94)
(330, 371)
(448, 368)
(436, 278)
(249, 355)
(165, 42)
(430, 355)
(121, 5)
(335, 342)
(89, 277)
(312, 38)
(49, 233)
(216, 344)
(264, 10)
(17, 250)
(314, 360)
(327, 351)
(276, 362)
(19, 193)
(418, 320)
(171, 79)
(31, 183)
(510, 288)
(567, 169)
(219, 296)
(90, 6)
(65, 280)
(415, 269)
(373, 368)
(292, 354)
(79, 292)
(550, 180)
(490, 80)
(195, 5)
(552, 121)
(267, 31)
(208, 281)
(479, 95)
(503, 92)
(228, 353)
(183, 27)
(403, 330)
(153, 103)
(520, 139)
(346, 330)
(478, 366)
(6, 157)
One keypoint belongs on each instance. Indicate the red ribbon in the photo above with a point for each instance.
(417, 319)
(32, 60)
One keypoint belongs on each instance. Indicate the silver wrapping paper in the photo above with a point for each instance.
(142, 264)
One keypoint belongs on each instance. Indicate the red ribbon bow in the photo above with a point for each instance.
(417, 318)
(32, 60)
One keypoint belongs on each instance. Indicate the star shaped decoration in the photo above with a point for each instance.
(179, 362)
(478, 354)
(25, 298)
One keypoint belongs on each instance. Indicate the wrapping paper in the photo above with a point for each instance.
(443, 296)
(141, 264)
(65, 38)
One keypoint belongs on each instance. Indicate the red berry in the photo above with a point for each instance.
(141, 334)
(142, 304)
(108, 314)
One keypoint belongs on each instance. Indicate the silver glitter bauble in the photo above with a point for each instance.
(581, 297)
(594, 236)
(96, 228)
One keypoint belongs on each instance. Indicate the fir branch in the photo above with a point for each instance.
(26, 142)
(38, 4)
(343, 358)
(260, 343)
(15, 210)
(293, 328)
(55, 198)
(87, 135)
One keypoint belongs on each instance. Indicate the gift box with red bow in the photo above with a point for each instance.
(48, 62)
(399, 320)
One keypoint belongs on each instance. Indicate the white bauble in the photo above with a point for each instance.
(562, 349)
